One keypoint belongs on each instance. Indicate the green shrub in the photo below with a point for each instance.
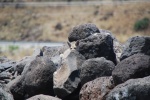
(141, 24)
(13, 48)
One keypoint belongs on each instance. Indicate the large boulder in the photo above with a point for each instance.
(96, 89)
(19, 67)
(36, 78)
(136, 66)
(54, 53)
(66, 78)
(82, 31)
(94, 68)
(137, 44)
(133, 89)
(117, 46)
(5, 93)
(43, 97)
(97, 45)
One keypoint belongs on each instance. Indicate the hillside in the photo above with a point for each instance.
(53, 23)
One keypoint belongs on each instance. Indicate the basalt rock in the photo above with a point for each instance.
(36, 78)
(135, 66)
(94, 68)
(96, 89)
(137, 44)
(82, 31)
(22, 63)
(133, 89)
(97, 45)
(43, 97)
(54, 53)
(66, 78)
(5, 93)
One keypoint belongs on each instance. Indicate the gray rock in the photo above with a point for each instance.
(117, 46)
(6, 70)
(4, 59)
(5, 75)
(137, 44)
(66, 78)
(51, 51)
(97, 45)
(36, 78)
(82, 31)
(6, 65)
(133, 89)
(94, 68)
(37, 52)
(135, 66)
(43, 97)
(22, 63)
(54, 53)
(5, 93)
(96, 89)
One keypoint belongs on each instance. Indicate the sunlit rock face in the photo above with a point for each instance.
(66, 78)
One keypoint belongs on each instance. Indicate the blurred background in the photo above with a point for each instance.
(26, 25)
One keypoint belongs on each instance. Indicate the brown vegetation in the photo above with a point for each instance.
(41, 23)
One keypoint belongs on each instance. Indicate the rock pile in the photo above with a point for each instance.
(92, 65)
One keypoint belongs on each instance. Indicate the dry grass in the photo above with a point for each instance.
(17, 54)
(38, 23)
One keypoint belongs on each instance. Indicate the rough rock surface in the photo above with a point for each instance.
(43, 97)
(37, 53)
(4, 59)
(5, 93)
(97, 45)
(133, 89)
(96, 89)
(51, 51)
(137, 44)
(22, 63)
(26, 60)
(36, 78)
(82, 31)
(54, 53)
(5, 75)
(6, 64)
(136, 66)
(94, 68)
(117, 46)
(66, 78)
(6, 70)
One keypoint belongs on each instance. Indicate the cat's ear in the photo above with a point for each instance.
(69, 44)
(77, 43)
